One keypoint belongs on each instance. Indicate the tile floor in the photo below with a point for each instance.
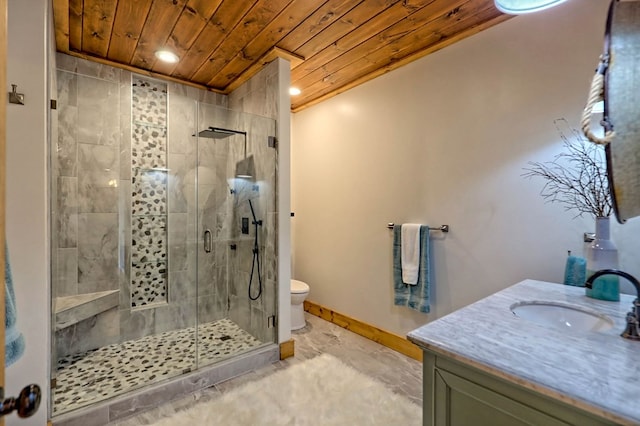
(93, 376)
(401, 374)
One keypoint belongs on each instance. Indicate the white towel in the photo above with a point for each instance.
(410, 254)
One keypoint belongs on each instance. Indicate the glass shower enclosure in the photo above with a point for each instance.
(163, 236)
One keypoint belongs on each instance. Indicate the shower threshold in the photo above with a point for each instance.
(93, 376)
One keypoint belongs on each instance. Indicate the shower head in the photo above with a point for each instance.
(219, 133)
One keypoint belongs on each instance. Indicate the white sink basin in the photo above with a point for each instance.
(562, 316)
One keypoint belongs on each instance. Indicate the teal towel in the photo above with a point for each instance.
(413, 296)
(13, 339)
(575, 271)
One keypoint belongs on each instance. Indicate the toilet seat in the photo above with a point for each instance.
(298, 287)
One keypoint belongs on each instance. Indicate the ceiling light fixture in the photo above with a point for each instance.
(517, 7)
(167, 56)
(294, 91)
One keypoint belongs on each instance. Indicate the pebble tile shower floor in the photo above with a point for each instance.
(92, 376)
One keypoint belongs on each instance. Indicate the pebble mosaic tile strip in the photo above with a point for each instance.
(149, 239)
(148, 148)
(148, 283)
(149, 193)
(149, 196)
(149, 102)
(93, 376)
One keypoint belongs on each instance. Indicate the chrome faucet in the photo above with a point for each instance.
(632, 331)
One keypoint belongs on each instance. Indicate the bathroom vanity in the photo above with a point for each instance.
(486, 365)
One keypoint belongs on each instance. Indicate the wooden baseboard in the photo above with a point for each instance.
(385, 338)
(287, 349)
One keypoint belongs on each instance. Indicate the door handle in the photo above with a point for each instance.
(207, 241)
(26, 403)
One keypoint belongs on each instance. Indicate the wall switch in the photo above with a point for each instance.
(245, 225)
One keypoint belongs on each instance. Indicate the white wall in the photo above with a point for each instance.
(27, 198)
(444, 141)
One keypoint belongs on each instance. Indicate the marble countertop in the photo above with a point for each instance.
(598, 372)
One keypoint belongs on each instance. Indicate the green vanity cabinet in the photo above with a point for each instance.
(484, 365)
(456, 394)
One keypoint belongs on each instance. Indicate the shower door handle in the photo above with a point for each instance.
(207, 241)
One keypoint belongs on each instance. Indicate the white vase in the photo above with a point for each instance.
(603, 254)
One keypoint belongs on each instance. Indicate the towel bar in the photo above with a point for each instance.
(443, 228)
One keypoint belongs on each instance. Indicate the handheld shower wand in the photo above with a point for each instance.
(256, 255)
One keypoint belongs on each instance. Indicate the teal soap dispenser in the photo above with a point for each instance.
(603, 254)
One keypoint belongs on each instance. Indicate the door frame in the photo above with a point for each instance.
(3, 138)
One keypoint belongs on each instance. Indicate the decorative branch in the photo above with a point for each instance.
(576, 178)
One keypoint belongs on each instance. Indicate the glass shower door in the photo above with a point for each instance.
(123, 274)
(236, 257)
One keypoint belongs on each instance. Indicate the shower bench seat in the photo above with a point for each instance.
(71, 310)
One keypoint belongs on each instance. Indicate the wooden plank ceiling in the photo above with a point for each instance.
(333, 45)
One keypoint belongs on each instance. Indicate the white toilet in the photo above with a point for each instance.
(299, 292)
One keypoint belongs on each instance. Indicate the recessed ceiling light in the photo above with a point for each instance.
(294, 91)
(167, 56)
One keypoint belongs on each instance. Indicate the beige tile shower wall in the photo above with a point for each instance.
(104, 231)
(86, 168)
(214, 198)
(261, 95)
(183, 238)
(444, 140)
